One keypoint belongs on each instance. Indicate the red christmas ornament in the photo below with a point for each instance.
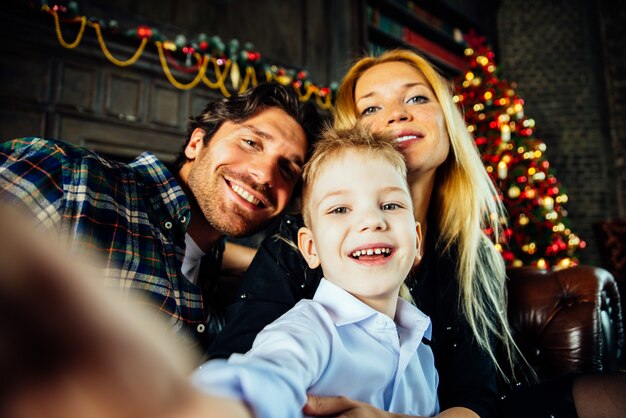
(203, 45)
(144, 32)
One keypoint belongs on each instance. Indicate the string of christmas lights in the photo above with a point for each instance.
(538, 230)
(229, 61)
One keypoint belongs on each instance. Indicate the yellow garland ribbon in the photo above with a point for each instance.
(57, 29)
(326, 104)
(221, 76)
(193, 83)
(250, 78)
(306, 96)
(110, 56)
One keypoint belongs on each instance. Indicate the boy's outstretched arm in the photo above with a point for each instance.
(68, 349)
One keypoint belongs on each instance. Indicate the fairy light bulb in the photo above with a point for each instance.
(503, 170)
(505, 133)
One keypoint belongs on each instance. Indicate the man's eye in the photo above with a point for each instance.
(288, 173)
(251, 143)
(418, 99)
(390, 206)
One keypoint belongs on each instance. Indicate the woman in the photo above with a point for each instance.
(460, 282)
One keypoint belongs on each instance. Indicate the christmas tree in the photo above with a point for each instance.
(537, 233)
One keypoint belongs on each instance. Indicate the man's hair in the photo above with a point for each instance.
(240, 108)
(336, 142)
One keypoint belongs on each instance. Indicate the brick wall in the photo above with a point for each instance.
(554, 52)
(613, 33)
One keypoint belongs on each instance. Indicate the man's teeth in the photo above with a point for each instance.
(244, 194)
(405, 138)
(371, 251)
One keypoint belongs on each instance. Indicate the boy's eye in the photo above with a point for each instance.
(390, 206)
(339, 210)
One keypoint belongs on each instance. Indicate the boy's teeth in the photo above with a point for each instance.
(371, 251)
(247, 196)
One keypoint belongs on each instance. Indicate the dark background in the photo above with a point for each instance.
(567, 59)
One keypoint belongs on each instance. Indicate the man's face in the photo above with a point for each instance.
(247, 172)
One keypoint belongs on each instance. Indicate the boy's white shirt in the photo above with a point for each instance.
(332, 345)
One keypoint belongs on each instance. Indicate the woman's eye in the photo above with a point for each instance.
(390, 206)
(369, 110)
(418, 99)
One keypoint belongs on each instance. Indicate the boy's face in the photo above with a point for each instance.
(362, 227)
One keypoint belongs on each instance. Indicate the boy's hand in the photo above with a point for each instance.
(70, 350)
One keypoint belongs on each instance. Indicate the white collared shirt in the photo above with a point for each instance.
(192, 260)
(330, 346)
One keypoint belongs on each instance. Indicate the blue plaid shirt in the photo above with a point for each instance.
(132, 216)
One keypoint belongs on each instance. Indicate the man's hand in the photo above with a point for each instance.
(342, 407)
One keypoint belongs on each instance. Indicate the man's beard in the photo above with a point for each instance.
(229, 219)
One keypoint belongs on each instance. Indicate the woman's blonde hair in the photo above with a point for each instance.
(464, 202)
(336, 142)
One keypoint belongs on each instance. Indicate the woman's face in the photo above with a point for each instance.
(395, 97)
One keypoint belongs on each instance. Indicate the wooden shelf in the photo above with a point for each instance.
(449, 63)
(432, 29)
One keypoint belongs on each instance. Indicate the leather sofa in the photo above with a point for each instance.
(567, 320)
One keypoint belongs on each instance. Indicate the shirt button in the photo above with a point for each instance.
(168, 225)
(200, 328)
(380, 321)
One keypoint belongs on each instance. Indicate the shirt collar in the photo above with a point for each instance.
(345, 308)
(342, 307)
(410, 318)
(162, 190)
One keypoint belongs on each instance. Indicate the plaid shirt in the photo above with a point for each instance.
(132, 216)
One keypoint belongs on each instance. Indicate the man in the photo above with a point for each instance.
(160, 233)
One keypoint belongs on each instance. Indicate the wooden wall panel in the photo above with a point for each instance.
(16, 123)
(124, 96)
(25, 77)
(121, 142)
(166, 105)
(77, 87)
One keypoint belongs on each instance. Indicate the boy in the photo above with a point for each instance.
(360, 228)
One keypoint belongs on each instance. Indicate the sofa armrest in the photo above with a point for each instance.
(566, 321)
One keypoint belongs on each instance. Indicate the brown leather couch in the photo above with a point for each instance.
(566, 321)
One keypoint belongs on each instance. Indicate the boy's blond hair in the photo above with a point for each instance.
(336, 142)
